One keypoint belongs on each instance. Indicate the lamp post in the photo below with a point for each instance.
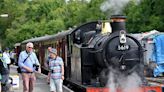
(3, 16)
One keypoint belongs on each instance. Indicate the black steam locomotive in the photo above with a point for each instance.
(92, 51)
(103, 46)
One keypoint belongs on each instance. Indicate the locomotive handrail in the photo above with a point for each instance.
(100, 50)
(133, 59)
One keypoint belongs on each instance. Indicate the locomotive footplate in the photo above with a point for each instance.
(81, 88)
(140, 89)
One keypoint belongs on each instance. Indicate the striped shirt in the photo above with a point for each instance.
(56, 66)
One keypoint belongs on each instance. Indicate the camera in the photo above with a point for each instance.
(36, 67)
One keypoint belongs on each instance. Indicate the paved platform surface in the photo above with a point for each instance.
(40, 86)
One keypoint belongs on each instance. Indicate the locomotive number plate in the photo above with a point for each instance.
(123, 47)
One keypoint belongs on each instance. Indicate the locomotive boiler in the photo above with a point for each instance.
(100, 47)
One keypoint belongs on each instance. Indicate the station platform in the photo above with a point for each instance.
(40, 85)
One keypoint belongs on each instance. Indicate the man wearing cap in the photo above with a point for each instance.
(56, 71)
(29, 64)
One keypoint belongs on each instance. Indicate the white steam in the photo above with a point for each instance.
(132, 83)
(117, 81)
(111, 82)
(115, 6)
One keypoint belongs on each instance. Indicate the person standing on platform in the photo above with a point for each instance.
(12, 56)
(47, 63)
(29, 64)
(4, 72)
(6, 57)
(56, 71)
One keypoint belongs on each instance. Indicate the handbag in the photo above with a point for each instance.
(19, 69)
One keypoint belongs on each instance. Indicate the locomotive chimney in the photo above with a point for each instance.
(118, 23)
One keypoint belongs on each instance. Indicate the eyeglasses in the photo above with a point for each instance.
(30, 47)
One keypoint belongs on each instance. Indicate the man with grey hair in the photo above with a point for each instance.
(29, 64)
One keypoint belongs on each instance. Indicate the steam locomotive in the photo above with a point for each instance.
(100, 47)
(94, 54)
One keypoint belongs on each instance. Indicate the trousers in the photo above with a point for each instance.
(56, 85)
(29, 80)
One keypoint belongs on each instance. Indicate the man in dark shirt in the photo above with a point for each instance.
(4, 72)
(46, 63)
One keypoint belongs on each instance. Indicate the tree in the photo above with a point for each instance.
(145, 17)
(42, 17)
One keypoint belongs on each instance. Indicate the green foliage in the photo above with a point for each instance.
(146, 16)
(36, 18)
(41, 17)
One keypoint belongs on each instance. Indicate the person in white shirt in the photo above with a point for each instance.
(6, 57)
(12, 56)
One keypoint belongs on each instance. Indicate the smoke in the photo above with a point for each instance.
(115, 6)
(126, 83)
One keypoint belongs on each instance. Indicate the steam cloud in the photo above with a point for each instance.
(130, 83)
(115, 6)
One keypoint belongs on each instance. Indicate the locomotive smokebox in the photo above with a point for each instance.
(118, 23)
